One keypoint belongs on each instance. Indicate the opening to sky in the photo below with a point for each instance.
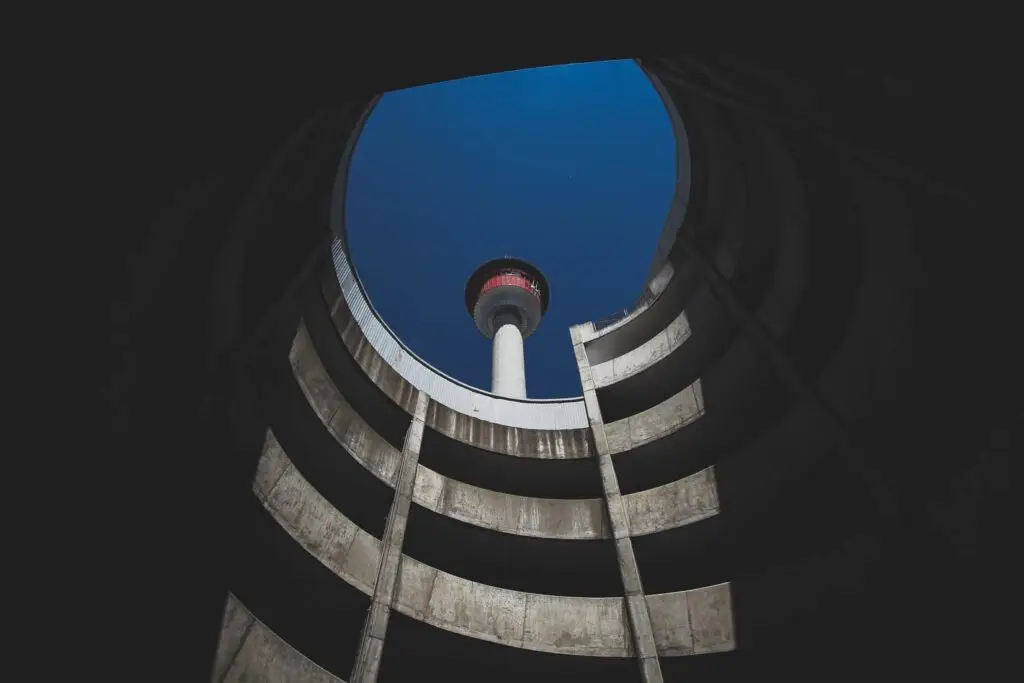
(569, 167)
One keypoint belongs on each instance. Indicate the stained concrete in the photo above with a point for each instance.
(249, 652)
(380, 372)
(559, 444)
(547, 623)
(693, 622)
(323, 531)
(644, 356)
(654, 423)
(676, 504)
(515, 441)
(565, 519)
(560, 624)
(682, 502)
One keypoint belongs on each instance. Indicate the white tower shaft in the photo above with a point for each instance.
(508, 366)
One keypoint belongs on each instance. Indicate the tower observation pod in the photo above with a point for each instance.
(507, 298)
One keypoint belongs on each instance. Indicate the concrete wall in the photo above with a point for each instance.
(338, 416)
(525, 516)
(569, 519)
(644, 356)
(509, 439)
(380, 372)
(675, 504)
(654, 423)
(249, 652)
(693, 622)
(560, 624)
(595, 627)
(517, 441)
(322, 530)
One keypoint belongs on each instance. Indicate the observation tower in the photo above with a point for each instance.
(507, 298)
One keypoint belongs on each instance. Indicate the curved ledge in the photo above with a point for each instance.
(381, 457)
(466, 426)
(312, 522)
(248, 650)
(563, 519)
(596, 627)
(693, 622)
(654, 423)
(549, 444)
(739, 397)
(643, 356)
(675, 504)
(461, 398)
(566, 519)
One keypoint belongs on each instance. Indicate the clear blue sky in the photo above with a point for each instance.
(570, 167)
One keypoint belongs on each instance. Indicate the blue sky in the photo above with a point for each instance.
(570, 167)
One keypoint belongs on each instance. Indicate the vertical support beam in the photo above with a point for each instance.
(371, 646)
(636, 603)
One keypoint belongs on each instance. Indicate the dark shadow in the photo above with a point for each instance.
(523, 563)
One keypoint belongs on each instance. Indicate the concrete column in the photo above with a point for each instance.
(508, 367)
(636, 604)
(371, 646)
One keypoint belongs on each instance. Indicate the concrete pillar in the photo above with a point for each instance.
(371, 646)
(636, 604)
(508, 366)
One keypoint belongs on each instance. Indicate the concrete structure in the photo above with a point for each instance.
(507, 299)
(752, 481)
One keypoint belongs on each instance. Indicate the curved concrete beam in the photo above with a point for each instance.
(564, 519)
(314, 523)
(524, 413)
(694, 622)
(652, 424)
(683, 502)
(673, 505)
(644, 356)
(596, 627)
(520, 428)
(249, 652)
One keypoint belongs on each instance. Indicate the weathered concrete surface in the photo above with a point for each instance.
(670, 415)
(341, 419)
(541, 517)
(572, 625)
(565, 625)
(371, 646)
(323, 531)
(693, 622)
(380, 372)
(249, 652)
(676, 504)
(644, 356)
(580, 519)
(313, 379)
(517, 441)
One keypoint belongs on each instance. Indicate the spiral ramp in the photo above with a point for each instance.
(738, 489)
